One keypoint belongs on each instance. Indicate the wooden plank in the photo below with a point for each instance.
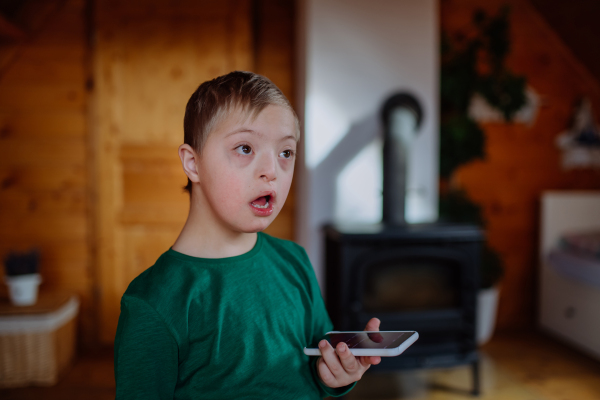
(53, 250)
(25, 153)
(55, 22)
(61, 226)
(144, 245)
(152, 214)
(154, 182)
(47, 227)
(105, 174)
(77, 279)
(240, 37)
(70, 254)
(46, 97)
(49, 178)
(43, 64)
(47, 302)
(115, 10)
(131, 153)
(39, 229)
(17, 205)
(39, 124)
(158, 88)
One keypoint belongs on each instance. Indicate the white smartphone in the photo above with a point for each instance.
(362, 343)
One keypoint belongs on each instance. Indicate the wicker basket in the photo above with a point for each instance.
(36, 348)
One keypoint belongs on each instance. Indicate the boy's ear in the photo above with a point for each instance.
(188, 161)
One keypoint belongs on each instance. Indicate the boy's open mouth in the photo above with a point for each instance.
(262, 202)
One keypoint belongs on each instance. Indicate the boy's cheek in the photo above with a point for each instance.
(240, 161)
(287, 165)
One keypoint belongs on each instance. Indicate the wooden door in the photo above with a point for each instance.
(149, 57)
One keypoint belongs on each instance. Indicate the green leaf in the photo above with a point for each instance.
(461, 141)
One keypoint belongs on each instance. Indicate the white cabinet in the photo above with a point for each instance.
(569, 306)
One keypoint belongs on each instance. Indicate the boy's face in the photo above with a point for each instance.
(246, 168)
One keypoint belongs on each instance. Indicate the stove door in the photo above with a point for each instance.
(426, 288)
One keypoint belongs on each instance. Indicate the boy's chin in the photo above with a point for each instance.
(256, 226)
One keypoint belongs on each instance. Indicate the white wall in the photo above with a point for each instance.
(354, 54)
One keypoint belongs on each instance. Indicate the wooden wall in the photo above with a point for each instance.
(44, 170)
(89, 131)
(522, 161)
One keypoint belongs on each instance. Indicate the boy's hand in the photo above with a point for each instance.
(340, 367)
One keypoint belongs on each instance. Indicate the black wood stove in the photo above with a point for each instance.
(418, 277)
(421, 277)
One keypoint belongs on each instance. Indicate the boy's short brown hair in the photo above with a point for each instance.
(214, 100)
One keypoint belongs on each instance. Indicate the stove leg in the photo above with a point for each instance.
(476, 379)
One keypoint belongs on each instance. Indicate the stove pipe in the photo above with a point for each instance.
(402, 116)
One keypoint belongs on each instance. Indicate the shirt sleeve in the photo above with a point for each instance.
(146, 354)
(321, 325)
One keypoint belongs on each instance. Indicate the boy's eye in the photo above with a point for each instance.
(286, 154)
(244, 149)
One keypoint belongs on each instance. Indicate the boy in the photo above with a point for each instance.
(226, 312)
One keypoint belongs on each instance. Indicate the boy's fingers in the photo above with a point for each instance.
(348, 360)
(324, 373)
(330, 358)
(370, 360)
(373, 325)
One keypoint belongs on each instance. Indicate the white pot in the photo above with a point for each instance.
(23, 289)
(487, 304)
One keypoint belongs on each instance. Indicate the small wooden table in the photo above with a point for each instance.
(47, 302)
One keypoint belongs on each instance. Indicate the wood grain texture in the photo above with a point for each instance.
(44, 200)
(149, 58)
(522, 161)
(40, 124)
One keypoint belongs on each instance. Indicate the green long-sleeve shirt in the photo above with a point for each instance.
(229, 328)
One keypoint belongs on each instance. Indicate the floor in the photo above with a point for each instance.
(515, 366)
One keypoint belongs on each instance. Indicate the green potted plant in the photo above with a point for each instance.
(22, 277)
(473, 64)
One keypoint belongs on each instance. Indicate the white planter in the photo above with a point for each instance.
(23, 289)
(487, 304)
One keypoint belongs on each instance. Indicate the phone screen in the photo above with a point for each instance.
(369, 340)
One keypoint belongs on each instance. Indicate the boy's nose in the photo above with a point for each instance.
(267, 168)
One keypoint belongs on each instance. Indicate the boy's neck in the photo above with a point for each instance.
(202, 237)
